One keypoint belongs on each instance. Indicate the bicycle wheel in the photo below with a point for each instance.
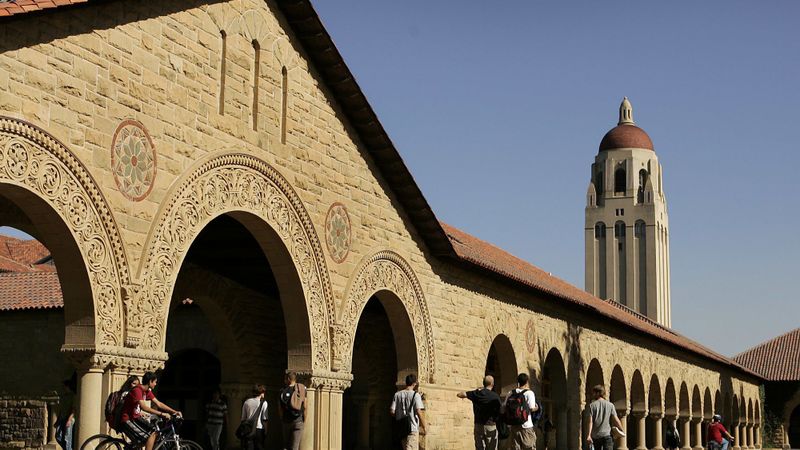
(103, 442)
(183, 444)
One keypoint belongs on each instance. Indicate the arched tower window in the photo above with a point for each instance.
(643, 176)
(622, 264)
(600, 230)
(600, 259)
(598, 183)
(640, 232)
(284, 101)
(619, 180)
(256, 76)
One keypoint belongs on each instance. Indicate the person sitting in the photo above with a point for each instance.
(139, 430)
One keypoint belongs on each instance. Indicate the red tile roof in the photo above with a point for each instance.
(777, 359)
(486, 256)
(9, 8)
(30, 290)
(25, 252)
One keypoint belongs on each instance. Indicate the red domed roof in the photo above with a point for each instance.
(626, 136)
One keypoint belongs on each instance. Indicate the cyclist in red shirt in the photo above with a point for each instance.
(716, 431)
(138, 429)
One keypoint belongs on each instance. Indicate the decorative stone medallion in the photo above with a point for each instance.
(133, 160)
(337, 232)
(530, 336)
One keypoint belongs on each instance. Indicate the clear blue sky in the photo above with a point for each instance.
(498, 109)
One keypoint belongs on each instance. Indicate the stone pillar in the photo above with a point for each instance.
(90, 400)
(622, 443)
(641, 429)
(750, 436)
(561, 429)
(686, 433)
(736, 444)
(323, 427)
(757, 435)
(658, 431)
(52, 417)
(236, 394)
(698, 434)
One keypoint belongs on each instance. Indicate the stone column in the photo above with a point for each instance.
(561, 429)
(686, 433)
(641, 429)
(736, 444)
(622, 443)
(52, 417)
(658, 431)
(757, 435)
(698, 434)
(236, 394)
(90, 400)
(323, 427)
(750, 436)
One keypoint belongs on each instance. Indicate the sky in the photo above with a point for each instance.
(498, 109)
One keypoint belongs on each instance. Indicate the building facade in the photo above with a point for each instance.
(627, 227)
(221, 201)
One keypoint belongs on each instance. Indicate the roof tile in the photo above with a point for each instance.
(30, 290)
(778, 359)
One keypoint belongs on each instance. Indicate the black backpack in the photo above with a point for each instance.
(517, 410)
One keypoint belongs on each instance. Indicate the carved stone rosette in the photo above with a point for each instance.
(36, 161)
(384, 270)
(230, 183)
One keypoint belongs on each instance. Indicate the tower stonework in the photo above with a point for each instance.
(627, 228)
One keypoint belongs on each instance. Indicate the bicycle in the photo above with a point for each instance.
(168, 439)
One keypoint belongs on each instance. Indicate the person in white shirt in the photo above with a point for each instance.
(252, 406)
(521, 436)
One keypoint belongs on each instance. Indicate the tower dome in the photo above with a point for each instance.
(626, 134)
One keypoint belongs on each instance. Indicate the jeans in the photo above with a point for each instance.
(292, 432)
(214, 431)
(603, 443)
(485, 437)
(725, 444)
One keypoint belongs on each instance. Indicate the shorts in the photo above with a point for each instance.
(138, 430)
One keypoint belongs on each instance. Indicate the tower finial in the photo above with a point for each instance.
(626, 113)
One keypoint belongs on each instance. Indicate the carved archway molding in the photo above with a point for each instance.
(226, 183)
(36, 161)
(384, 271)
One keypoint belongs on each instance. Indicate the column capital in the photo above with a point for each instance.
(101, 358)
(325, 380)
(639, 414)
(656, 415)
(622, 412)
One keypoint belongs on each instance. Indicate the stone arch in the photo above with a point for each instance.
(618, 392)
(505, 372)
(384, 273)
(670, 399)
(554, 393)
(263, 201)
(708, 407)
(40, 176)
(757, 413)
(638, 398)
(697, 403)
(655, 404)
(594, 376)
(717, 402)
(684, 407)
(750, 417)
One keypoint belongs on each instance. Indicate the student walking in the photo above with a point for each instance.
(293, 411)
(599, 415)
(216, 410)
(255, 409)
(486, 409)
(406, 409)
(517, 409)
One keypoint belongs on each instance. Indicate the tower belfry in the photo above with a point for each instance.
(627, 229)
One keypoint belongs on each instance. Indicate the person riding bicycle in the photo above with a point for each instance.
(139, 430)
(718, 436)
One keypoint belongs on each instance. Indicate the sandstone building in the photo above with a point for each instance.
(221, 201)
(627, 228)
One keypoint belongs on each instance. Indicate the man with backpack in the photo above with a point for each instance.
(599, 416)
(293, 411)
(138, 429)
(252, 430)
(518, 414)
(486, 409)
(406, 410)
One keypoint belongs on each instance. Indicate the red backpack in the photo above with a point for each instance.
(113, 409)
(517, 410)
